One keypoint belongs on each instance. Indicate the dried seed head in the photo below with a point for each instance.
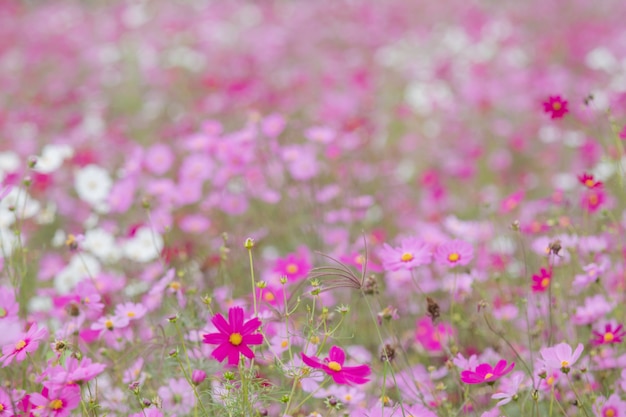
(370, 287)
(388, 353)
(555, 247)
(433, 309)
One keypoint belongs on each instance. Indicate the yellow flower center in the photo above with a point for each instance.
(175, 285)
(334, 366)
(610, 412)
(488, 375)
(564, 364)
(550, 380)
(453, 257)
(406, 257)
(131, 314)
(593, 199)
(545, 282)
(556, 106)
(292, 268)
(3, 313)
(20, 345)
(71, 239)
(269, 296)
(109, 324)
(359, 259)
(347, 397)
(86, 300)
(284, 344)
(56, 404)
(608, 337)
(589, 183)
(235, 339)
(1, 408)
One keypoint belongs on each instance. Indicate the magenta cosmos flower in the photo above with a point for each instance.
(561, 356)
(612, 333)
(486, 373)
(556, 107)
(411, 253)
(453, 253)
(58, 402)
(333, 366)
(27, 343)
(234, 336)
(541, 281)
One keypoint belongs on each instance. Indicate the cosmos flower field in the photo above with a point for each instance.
(312, 208)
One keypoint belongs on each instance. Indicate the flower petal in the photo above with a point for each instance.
(221, 324)
(215, 338)
(235, 317)
(251, 326)
(337, 354)
(253, 339)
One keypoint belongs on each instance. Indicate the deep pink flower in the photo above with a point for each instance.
(234, 336)
(411, 253)
(294, 266)
(453, 253)
(611, 407)
(541, 281)
(486, 373)
(58, 402)
(588, 181)
(612, 333)
(592, 200)
(556, 107)
(333, 366)
(27, 343)
(561, 356)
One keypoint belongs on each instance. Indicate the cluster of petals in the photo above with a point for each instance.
(561, 356)
(485, 373)
(333, 365)
(234, 336)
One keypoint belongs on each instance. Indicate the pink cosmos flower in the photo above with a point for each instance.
(508, 388)
(333, 366)
(556, 107)
(561, 356)
(453, 253)
(411, 253)
(614, 406)
(110, 323)
(511, 202)
(76, 371)
(294, 266)
(234, 336)
(588, 181)
(130, 311)
(612, 333)
(541, 281)
(58, 402)
(486, 373)
(27, 343)
(8, 305)
(433, 337)
(592, 200)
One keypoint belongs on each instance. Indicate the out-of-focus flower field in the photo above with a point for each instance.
(312, 208)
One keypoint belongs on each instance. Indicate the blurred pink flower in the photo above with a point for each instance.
(485, 373)
(454, 253)
(560, 356)
(333, 365)
(411, 253)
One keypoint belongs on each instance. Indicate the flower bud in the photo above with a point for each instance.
(198, 376)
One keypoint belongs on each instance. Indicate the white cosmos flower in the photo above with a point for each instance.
(8, 241)
(102, 244)
(52, 157)
(81, 266)
(9, 162)
(145, 246)
(17, 203)
(93, 184)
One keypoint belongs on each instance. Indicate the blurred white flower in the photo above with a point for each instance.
(144, 246)
(93, 184)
